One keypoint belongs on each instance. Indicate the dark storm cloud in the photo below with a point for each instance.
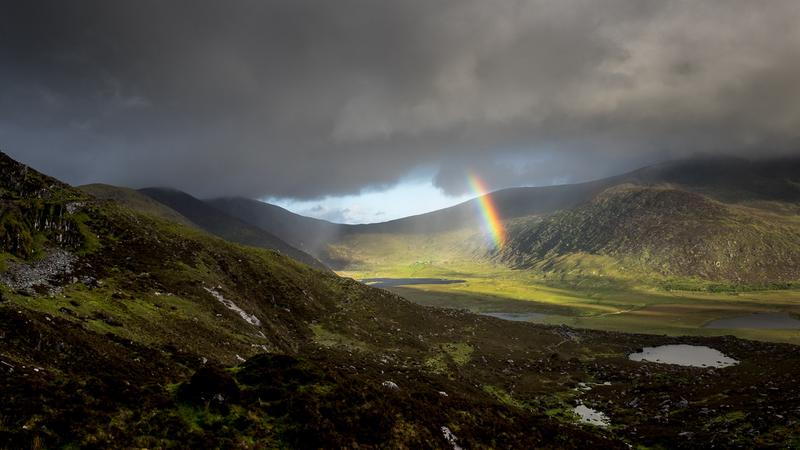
(303, 98)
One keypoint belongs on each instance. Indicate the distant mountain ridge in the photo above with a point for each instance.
(665, 230)
(217, 222)
(714, 218)
(305, 233)
(725, 179)
(137, 201)
(722, 219)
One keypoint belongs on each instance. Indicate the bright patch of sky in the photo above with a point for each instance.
(405, 199)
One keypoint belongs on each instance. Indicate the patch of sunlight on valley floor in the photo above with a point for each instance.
(609, 305)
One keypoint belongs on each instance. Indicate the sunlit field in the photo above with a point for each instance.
(621, 305)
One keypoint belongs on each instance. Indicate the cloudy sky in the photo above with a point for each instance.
(324, 105)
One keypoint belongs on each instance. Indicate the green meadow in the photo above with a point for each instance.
(622, 303)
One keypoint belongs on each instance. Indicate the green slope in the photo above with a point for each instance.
(120, 329)
(135, 200)
(100, 352)
(664, 230)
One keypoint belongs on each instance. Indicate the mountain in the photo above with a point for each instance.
(120, 329)
(135, 200)
(729, 180)
(305, 233)
(217, 222)
(669, 231)
(711, 218)
(714, 219)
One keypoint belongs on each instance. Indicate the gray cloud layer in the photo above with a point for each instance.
(302, 98)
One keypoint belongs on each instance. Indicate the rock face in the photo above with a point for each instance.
(23, 221)
(35, 209)
(21, 181)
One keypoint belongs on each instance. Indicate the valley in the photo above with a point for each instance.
(632, 256)
(121, 326)
(399, 225)
(622, 307)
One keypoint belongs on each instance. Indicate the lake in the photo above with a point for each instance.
(762, 321)
(684, 355)
(389, 282)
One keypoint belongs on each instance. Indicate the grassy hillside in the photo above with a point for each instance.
(664, 230)
(135, 200)
(217, 222)
(134, 334)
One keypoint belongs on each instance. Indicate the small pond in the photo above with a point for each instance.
(684, 355)
(516, 317)
(388, 282)
(591, 416)
(762, 321)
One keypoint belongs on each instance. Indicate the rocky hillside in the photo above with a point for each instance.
(670, 231)
(37, 209)
(158, 335)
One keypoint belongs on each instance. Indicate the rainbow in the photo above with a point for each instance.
(488, 210)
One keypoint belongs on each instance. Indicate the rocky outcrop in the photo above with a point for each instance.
(36, 209)
(19, 180)
(45, 275)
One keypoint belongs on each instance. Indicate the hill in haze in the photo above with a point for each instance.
(217, 222)
(306, 233)
(714, 219)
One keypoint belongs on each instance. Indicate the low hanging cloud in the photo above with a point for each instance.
(311, 98)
